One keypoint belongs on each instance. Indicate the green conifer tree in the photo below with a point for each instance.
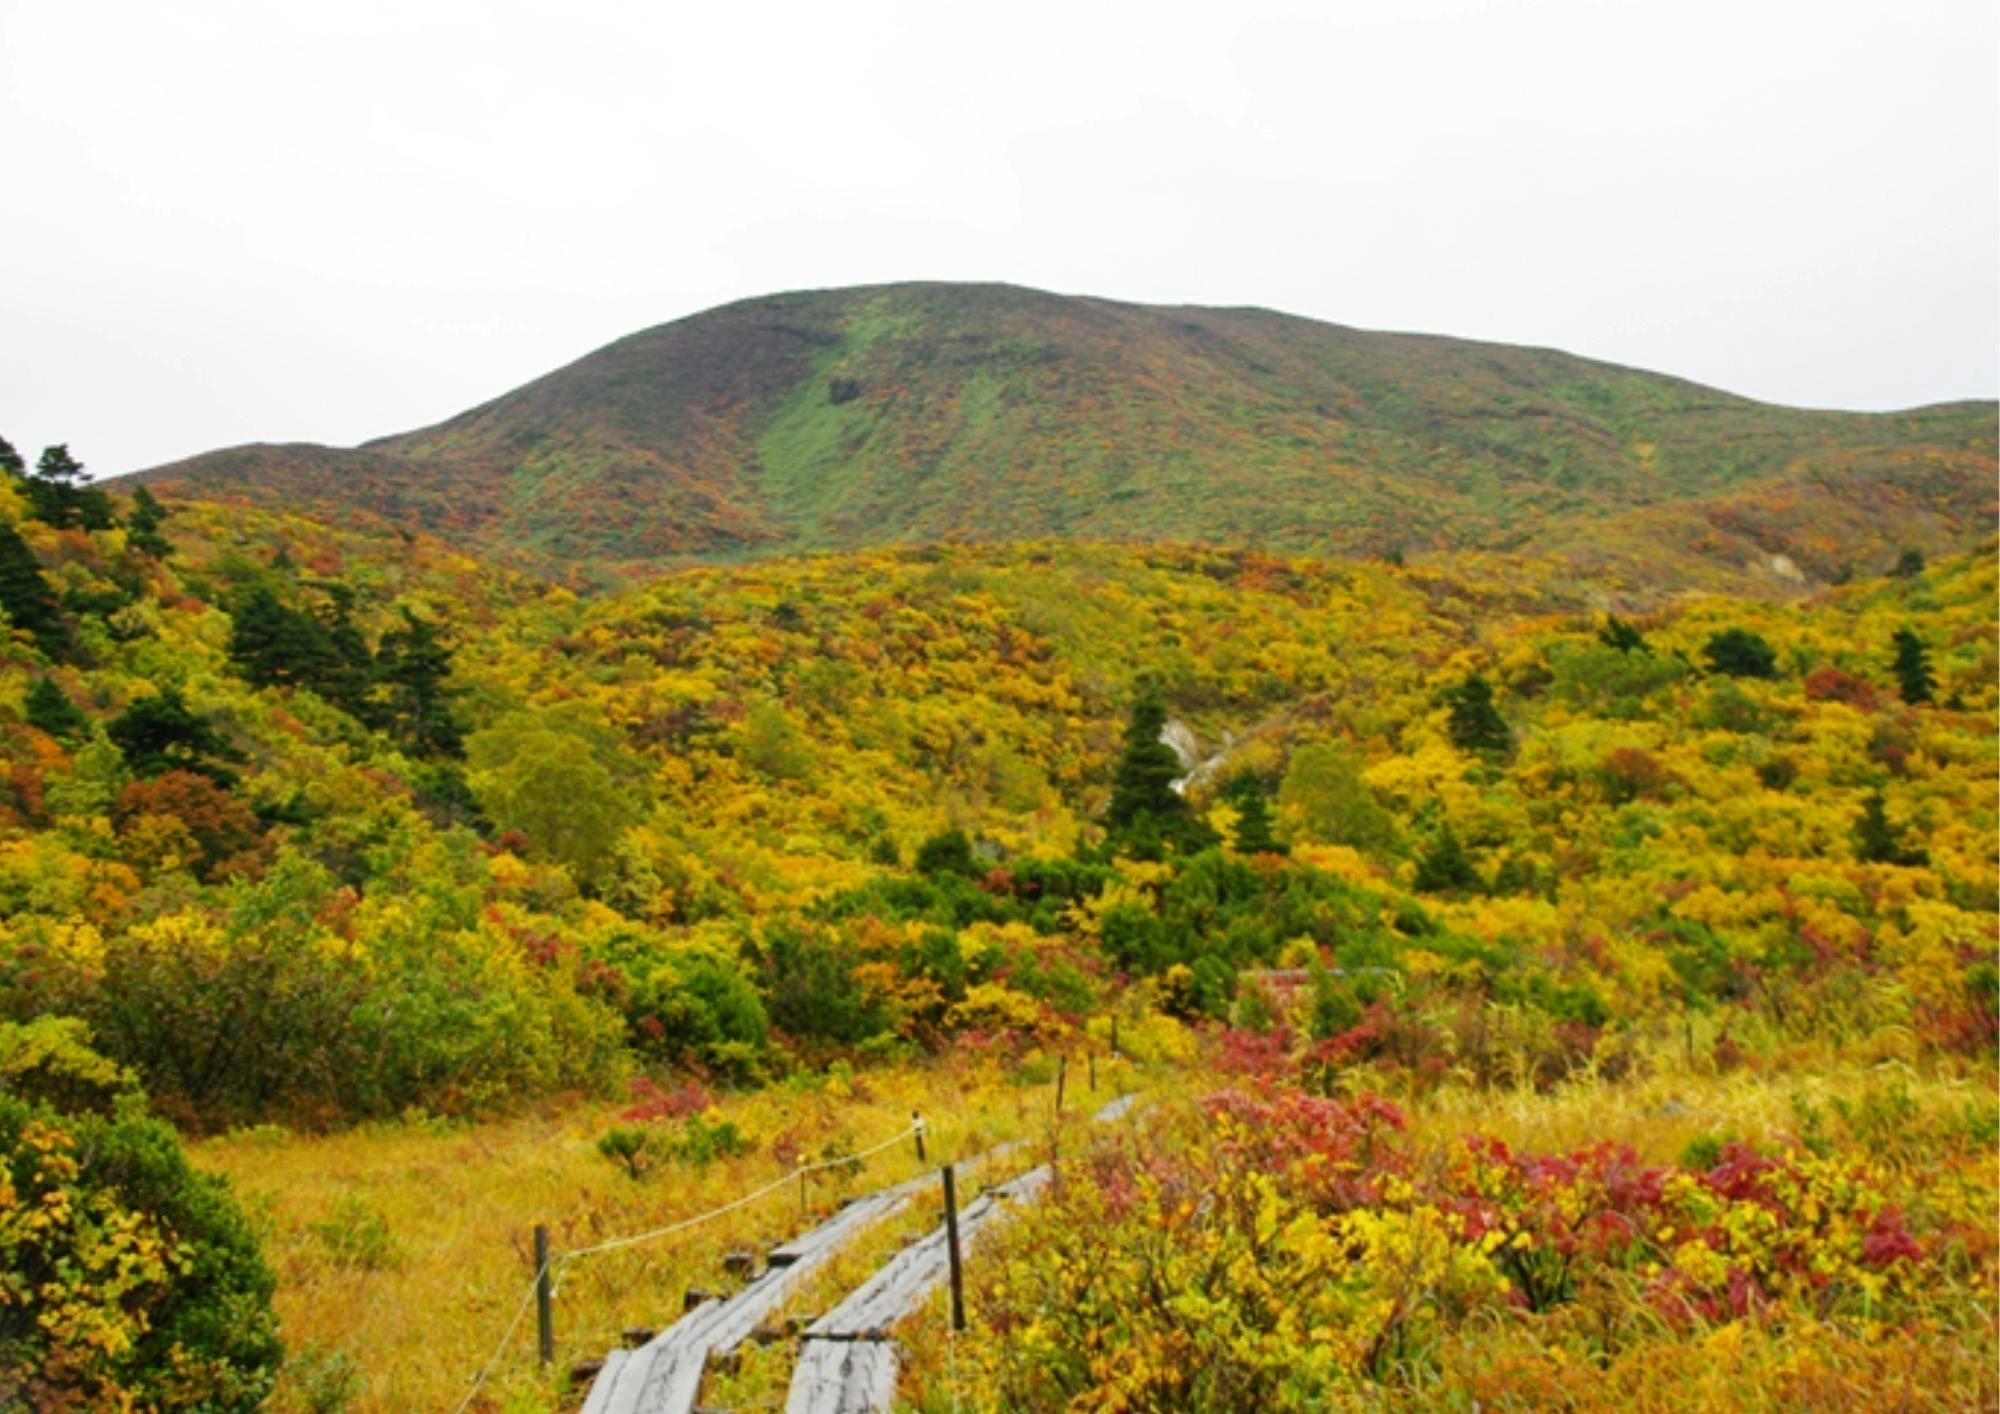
(1476, 724)
(1445, 867)
(1253, 822)
(1878, 841)
(1143, 785)
(1616, 633)
(63, 497)
(159, 734)
(1913, 668)
(48, 709)
(26, 596)
(1741, 654)
(142, 525)
(412, 665)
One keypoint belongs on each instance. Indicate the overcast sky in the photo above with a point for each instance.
(273, 220)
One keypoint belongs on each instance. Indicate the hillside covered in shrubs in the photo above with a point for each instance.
(309, 827)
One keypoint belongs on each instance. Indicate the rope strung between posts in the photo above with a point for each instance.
(501, 1349)
(794, 1176)
(553, 1268)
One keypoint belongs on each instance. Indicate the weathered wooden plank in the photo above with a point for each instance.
(843, 1377)
(664, 1375)
(902, 1283)
(606, 1381)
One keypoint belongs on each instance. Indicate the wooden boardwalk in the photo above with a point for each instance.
(846, 1362)
(664, 1375)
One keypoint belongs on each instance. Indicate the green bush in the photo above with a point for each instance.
(698, 1004)
(1741, 654)
(127, 1279)
(263, 1013)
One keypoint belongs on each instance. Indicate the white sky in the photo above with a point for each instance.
(274, 220)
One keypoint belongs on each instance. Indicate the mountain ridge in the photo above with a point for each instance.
(836, 419)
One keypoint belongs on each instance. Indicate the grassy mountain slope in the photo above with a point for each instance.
(845, 418)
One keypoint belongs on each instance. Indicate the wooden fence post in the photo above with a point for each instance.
(918, 1121)
(1062, 1074)
(544, 1317)
(951, 1247)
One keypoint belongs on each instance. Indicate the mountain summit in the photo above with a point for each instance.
(842, 418)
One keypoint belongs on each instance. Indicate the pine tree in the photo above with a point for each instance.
(1445, 867)
(1909, 565)
(142, 526)
(344, 668)
(1741, 654)
(1877, 841)
(1253, 823)
(160, 734)
(1146, 813)
(1143, 786)
(10, 460)
(412, 664)
(1618, 634)
(25, 594)
(49, 710)
(61, 495)
(1476, 724)
(1913, 668)
(271, 644)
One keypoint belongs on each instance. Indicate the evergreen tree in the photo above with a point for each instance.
(345, 667)
(1909, 565)
(276, 645)
(49, 710)
(947, 852)
(412, 665)
(270, 644)
(1146, 813)
(160, 734)
(1913, 667)
(1476, 724)
(1445, 867)
(1143, 786)
(1253, 819)
(1741, 654)
(1618, 634)
(25, 594)
(142, 526)
(1877, 841)
(10, 460)
(61, 495)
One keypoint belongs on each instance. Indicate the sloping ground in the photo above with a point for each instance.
(843, 418)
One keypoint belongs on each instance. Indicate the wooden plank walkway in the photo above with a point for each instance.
(900, 1285)
(847, 1364)
(840, 1354)
(664, 1375)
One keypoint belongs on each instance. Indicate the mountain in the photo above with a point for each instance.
(839, 419)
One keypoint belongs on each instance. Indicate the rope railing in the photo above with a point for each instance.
(549, 1269)
(745, 1201)
(552, 1268)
